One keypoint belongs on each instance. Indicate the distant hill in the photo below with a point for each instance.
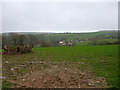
(52, 39)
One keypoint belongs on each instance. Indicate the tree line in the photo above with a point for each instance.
(53, 39)
(14, 39)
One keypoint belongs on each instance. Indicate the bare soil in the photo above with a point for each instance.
(60, 77)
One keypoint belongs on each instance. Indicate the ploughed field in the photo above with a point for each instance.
(62, 67)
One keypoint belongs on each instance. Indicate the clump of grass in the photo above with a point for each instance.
(6, 84)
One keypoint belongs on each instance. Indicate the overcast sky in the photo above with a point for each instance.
(59, 17)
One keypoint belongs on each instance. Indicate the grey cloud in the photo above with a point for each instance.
(54, 17)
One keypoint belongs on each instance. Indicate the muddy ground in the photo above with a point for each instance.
(51, 75)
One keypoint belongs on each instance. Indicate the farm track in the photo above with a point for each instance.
(52, 75)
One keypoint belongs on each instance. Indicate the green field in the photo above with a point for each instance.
(98, 42)
(102, 60)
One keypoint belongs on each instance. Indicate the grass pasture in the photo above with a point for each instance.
(102, 60)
